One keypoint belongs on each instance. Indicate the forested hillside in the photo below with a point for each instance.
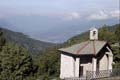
(17, 64)
(106, 33)
(15, 61)
(32, 45)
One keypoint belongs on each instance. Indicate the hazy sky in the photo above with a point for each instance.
(74, 8)
(51, 13)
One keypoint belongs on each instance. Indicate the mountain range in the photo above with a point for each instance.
(32, 45)
(49, 28)
(37, 46)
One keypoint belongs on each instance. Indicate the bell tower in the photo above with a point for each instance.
(93, 33)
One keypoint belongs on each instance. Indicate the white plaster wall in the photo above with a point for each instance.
(104, 63)
(94, 64)
(67, 66)
(95, 37)
(77, 64)
(110, 58)
(110, 62)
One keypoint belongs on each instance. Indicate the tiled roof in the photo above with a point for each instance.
(84, 48)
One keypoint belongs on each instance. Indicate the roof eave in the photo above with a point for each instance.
(77, 54)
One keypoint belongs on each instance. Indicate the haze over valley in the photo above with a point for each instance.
(56, 21)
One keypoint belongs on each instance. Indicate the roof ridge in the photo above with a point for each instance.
(78, 51)
(94, 49)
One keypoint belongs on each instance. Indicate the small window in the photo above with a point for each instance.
(94, 33)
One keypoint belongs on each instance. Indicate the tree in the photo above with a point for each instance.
(117, 32)
(2, 40)
(15, 62)
(106, 34)
(117, 48)
(48, 63)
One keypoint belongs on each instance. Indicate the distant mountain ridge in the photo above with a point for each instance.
(32, 45)
(36, 46)
(42, 26)
(85, 35)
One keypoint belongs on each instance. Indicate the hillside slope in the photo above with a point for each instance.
(33, 46)
(85, 36)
